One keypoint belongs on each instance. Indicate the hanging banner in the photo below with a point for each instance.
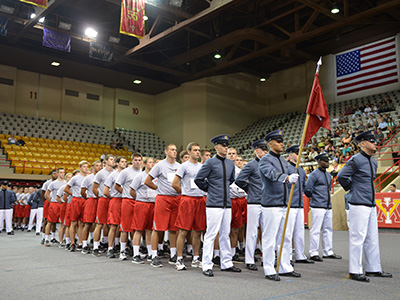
(56, 40)
(3, 26)
(388, 210)
(40, 3)
(101, 51)
(132, 23)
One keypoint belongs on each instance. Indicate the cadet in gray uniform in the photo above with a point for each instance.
(358, 176)
(215, 177)
(7, 198)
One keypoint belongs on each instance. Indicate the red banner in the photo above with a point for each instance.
(388, 210)
(40, 3)
(132, 23)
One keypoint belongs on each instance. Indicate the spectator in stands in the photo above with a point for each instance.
(347, 110)
(357, 112)
(120, 145)
(361, 127)
(12, 140)
(337, 157)
(392, 189)
(334, 168)
(395, 150)
(346, 140)
(379, 136)
(371, 121)
(335, 121)
(367, 110)
(374, 109)
(344, 132)
(21, 142)
(329, 134)
(391, 124)
(321, 143)
(385, 118)
(343, 119)
(347, 156)
(113, 145)
(375, 130)
(312, 155)
(382, 124)
(329, 147)
(337, 132)
(390, 105)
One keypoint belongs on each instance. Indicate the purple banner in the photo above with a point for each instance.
(56, 40)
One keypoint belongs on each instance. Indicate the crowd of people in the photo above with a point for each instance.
(217, 208)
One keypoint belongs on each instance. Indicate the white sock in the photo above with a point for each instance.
(110, 248)
(241, 246)
(233, 250)
(160, 246)
(258, 246)
(67, 240)
(123, 246)
(105, 238)
(96, 245)
(189, 248)
(84, 243)
(180, 257)
(46, 238)
(216, 253)
(136, 251)
(53, 235)
(90, 236)
(116, 241)
(173, 251)
(149, 249)
(43, 235)
(195, 258)
(76, 236)
(153, 253)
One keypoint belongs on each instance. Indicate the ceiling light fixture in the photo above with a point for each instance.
(41, 20)
(217, 55)
(137, 81)
(114, 39)
(33, 15)
(55, 64)
(65, 26)
(90, 32)
(176, 3)
(263, 79)
(145, 18)
(6, 9)
(335, 9)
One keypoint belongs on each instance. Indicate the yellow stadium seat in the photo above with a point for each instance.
(37, 155)
(15, 162)
(40, 150)
(36, 169)
(20, 154)
(53, 156)
(2, 136)
(18, 167)
(33, 139)
(37, 145)
(64, 152)
(51, 146)
(40, 140)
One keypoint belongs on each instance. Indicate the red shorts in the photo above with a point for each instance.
(243, 204)
(127, 211)
(143, 215)
(114, 211)
(21, 211)
(165, 212)
(237, 218)
(102, 210)
(63, 210)
(54, 212)
(191, 214)
(205, 200)
(46, 209)
(15, 211)
(90, 210)
(67, 219)
(27, 211)
(77, 209)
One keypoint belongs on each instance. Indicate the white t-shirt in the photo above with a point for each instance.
(187, 172)
(125, 178)
(88, 184)
(100, 179)
(75, 184)
(234, 190)
(60, 193)
(110, 182)
(143, 192)
(53, 188)
(46, 185)
(165, 173)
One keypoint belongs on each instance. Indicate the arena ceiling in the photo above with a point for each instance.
(253, 36)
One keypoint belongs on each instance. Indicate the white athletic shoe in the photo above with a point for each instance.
(180, 265)
(122, 255)
(196, 264)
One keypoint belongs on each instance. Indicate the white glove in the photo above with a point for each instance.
(293, 178)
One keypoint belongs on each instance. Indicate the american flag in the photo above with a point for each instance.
(367, 67)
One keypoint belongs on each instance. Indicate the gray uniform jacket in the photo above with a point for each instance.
(7, 198)
(297, 199)
(318, 188)
(35, 199)
(358, 176)
(273, 171)
(215, 177)
(249, 180)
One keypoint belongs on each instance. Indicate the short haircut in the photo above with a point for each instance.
(167, 146)
(108, 156)
(119, 159)
(147, 159)
(393, 185)
(204, 151)
(136, 154)
(59, 169)
(96, 162)
(83, 162)
(190, 145)
(74, 172)
(66, 175)
(183, 153)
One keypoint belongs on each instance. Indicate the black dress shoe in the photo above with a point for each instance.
(251, 267)
(273, 277)
(316, 258)
(290, 274)
(10, 233)
(379, 274)
(359, 277)
(304, 261)
(333, 256)
(208, 273)
(232, 269)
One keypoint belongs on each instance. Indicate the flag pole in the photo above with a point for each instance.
(303, 137)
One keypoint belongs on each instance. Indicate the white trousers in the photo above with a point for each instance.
(31, 218)
(347, 217)
(6, 214)
(272, 222)
(218, 220)
(363, 235)
(321, 220)
(253, 221)
(298, 233)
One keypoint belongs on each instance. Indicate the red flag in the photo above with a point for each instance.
(40, 3)
(132, 13)
(319, 116)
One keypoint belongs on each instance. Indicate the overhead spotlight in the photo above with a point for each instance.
(65, 26)
(55, 64)
(217, 55)
(6, 9)
(137, 81)
(145, 18)
(175, 3)
(335, 9)
(33, 15)
(263, 79)
(41, 20)
(90, 32)
(114, 39)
